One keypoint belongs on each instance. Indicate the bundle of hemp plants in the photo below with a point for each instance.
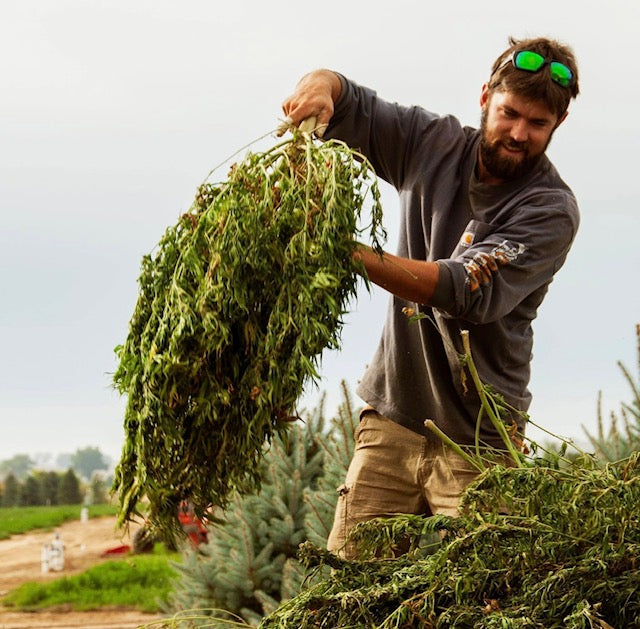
(236, 305)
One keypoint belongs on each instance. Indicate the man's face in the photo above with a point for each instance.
(515, 132)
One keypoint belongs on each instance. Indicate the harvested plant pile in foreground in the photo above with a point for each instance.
(235, 307)
(566, 556)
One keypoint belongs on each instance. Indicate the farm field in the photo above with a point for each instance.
(16, 520)
(84, 544)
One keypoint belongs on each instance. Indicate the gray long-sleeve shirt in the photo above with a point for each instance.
(525, 226)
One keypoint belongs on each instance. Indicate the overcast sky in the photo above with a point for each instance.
(113, 112)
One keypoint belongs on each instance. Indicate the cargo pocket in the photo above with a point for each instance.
(341, 523)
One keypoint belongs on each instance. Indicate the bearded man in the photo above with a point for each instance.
(486, 222)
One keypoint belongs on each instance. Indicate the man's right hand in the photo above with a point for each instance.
(314, 95)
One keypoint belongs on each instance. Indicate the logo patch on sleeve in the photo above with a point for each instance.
(467, 239)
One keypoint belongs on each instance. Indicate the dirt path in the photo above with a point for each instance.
(106, 619)
(84, 544)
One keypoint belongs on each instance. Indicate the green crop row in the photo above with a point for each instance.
(139, 582)
(16, 520)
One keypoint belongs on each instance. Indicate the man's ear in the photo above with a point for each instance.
(484, 95)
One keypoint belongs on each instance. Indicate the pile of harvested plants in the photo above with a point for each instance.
(549, 543)
(566, 556)
(235, 307)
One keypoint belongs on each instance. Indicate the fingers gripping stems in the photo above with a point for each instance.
(308, 125)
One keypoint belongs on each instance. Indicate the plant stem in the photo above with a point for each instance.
(484, 400)
(475, 462)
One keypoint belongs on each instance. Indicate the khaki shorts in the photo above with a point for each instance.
(396, 471)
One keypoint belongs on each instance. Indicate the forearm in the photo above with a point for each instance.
(411, 280)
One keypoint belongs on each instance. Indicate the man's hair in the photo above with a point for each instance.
(536, 85)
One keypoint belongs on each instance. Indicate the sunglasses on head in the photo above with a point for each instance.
(530, 61)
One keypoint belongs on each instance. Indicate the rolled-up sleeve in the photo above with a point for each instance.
(488, 279)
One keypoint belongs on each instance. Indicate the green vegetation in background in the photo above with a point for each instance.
(18, 465)
(622, 437)
(249, 565)
(42, 488)
(16, 520)
(86, 461)
(139, 582)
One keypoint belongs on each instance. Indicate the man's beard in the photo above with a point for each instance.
(503, 167)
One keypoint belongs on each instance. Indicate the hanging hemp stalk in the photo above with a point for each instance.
(235, 307)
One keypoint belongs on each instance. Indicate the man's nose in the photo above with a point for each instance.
(519, 131)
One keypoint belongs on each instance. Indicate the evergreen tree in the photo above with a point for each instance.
(50, 483)
(69, 492)
(337, 446)
(11, 491)
(623, 434)
(30, 492)
(249, 564)
(98, 489)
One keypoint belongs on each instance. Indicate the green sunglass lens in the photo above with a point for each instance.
(560, 73)
(527, 60)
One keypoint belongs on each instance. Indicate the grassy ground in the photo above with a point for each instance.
(16, 520)
(138, 582)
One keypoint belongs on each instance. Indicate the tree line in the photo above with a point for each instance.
(42, 488)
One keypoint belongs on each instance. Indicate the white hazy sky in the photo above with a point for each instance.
(112, 112)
